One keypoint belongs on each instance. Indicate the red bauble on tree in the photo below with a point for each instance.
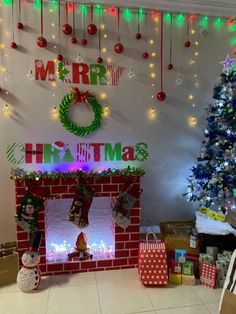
(13, 45)
(138, 36)
(99, 60)
(74, 40)
(145, 55)
(119, 48)
(20, 25)
(92, 29)
(187, 44)
(67, 29)
(84, 42)
(59, 57)
(41, 42)
(170, 66)
(161, 96)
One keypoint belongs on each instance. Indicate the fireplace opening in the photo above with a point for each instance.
(61, 234)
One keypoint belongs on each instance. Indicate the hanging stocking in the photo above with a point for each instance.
(27, 215)
(78, 213)
(124, 204)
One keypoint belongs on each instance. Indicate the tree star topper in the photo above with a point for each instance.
(228, 63)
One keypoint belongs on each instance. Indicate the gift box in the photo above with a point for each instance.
(175, 278)
(9, 265)
(180, 256)
(187, 268)
(176, 267)
(208, 275)
(188, 280)
(152, 262)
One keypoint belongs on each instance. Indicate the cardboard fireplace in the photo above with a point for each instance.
(112, 246)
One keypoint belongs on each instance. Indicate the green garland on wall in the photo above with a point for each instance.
(73, 97)
(21, 174)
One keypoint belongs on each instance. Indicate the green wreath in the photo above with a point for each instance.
(72, 98)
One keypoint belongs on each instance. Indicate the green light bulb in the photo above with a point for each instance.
(98, 8)
(54, 4)
(7, 2)
(218, 22)
(37, 4)
(180, 19)
(167, 18)
(83, 8)
(127, 15)
(141, 14)
(204, 21)
(233, 41)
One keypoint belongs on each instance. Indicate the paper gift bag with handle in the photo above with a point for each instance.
(153, 262)
(9, 263)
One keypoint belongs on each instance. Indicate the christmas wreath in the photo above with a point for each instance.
(73, 97)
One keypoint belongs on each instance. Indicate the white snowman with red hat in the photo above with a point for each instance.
(29, 276)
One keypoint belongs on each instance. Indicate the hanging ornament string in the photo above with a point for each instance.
(99, 59)
(13, 44)
(73, 39)
(66, 28)
(19, 24)
(119, 48)
(92, 28)
(146, 54)
(187, 43)
(41, 17)
(161, 95)
(41, 41)
(138, 34)
(84, 40)
(170, 65)
(59, 56)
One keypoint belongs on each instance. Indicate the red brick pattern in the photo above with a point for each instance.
(126, 240)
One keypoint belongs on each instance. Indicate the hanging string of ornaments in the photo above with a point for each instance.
(41, 41)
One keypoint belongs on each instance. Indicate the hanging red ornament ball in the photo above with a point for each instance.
(99, 60)
(138, 36)
(67, 29)
(187, 44)
(119, 48)
(145, 55)
(74, 40)
(84, 42)
(19, 25)
(41, 42)
(170, 66)
(161, 96)
(59, 57)
(92, 29)
(13, 45)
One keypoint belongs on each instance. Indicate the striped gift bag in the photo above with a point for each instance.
(153, 262)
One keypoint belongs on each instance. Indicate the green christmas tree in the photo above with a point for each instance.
(213, 179)
(68, 156)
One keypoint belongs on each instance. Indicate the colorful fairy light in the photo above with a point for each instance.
(127, 15)
(192, 121)
(204, 21)
(167, 18)
(112, 11)
(55, 113)
(180, 19)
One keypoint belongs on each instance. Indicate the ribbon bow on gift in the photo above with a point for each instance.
(79, 97)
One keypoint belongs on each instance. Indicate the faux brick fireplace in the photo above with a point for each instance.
(126, 240)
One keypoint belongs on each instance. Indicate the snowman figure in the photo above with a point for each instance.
(29, 276)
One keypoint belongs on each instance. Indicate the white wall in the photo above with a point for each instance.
(173, 145)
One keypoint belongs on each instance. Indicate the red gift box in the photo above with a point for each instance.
(153, 263)
(176, 267)
(208, 275)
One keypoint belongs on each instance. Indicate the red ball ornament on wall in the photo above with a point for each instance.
(161, 96)
(145, 55)
(92, 29)
(84, 42)
(59, 57)
(138, 36)
(170, 66)
(13, 45)
(74, 40)
(41, 42)
(99, 60)
(187, 44)
(67, 29)
(20, 25)
(119, 48)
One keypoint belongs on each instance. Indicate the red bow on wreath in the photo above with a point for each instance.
(79, 97)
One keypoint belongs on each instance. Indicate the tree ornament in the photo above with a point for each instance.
(13, 45)
(170, 66)
(20, 25)
(161, 96)
(187, 44)
(84, 42)
(138, 36)
(67, 29)
(228, 63)
(72, 98)
(99, 60)
(41, 42)
(92, 29)
(74, 40)
(145, 55)
(119, 48)
(59, 57)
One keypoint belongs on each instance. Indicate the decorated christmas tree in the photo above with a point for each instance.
(213, 179)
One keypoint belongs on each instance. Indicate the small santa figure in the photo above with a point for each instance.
(81, 248)
(29, 276)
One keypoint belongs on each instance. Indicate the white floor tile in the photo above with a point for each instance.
(207, 295)
(172, 296)
(197, 309)
(146, 312)
(116, 275)
(44, 284)
(79, 279)
(73, 300)
(127, 296)
(213, 308)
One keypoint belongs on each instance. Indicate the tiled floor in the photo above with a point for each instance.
(108, 292)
